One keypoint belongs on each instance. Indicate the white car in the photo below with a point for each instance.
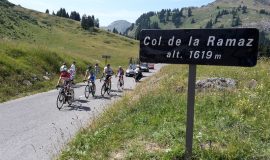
(130, 72)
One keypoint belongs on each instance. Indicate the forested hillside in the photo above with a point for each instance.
(219, 14)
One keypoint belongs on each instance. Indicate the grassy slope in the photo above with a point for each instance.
(203, 14)
(33, 43)
(149, 123)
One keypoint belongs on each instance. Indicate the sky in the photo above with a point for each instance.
(108, 11)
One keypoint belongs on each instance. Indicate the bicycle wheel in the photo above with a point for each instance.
(119, 85)
(103, 89)
(93, 90)
(60, 100)
(109, 87)
(70, 96)
(86, 91)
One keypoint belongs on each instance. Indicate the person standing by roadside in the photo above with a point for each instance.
(97, 69)
(72, 71)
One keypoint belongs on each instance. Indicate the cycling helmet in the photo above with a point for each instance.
(63, 68)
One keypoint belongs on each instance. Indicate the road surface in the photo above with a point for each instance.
(32, 128)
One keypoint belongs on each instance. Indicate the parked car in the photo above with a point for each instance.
(151, 65)
(130, 72)
(144, 67)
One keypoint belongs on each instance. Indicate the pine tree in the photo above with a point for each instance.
(244, 9)
(78, 17)
(176, 17)
(234, 13)
(90, 22)
(137, 32)
(219, 14)
(47, 11)
(168, 14)
(162, 16)
(154, 25)
(97, 23)
(209, 24)
(84, 22)
(72, 15)
(236, 21)
(216, 20)
(181, 12)
(115, 31)
(75, 16)
(189, 12)
(53, 13)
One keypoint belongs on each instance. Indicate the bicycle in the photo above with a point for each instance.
(120, 83)
(90, 88)
(106, 87)
(65, 95)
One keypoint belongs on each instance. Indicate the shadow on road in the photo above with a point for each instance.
(116, 91)
(102, 97)
(78, 85)
(81, 101)
(78, 107)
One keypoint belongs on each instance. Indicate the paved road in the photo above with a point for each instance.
(32, 128)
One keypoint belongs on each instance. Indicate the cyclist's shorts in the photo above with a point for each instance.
(108, 76)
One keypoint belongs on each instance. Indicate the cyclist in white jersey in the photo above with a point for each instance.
(108, 72)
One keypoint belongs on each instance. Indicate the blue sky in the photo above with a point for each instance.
(109, 10)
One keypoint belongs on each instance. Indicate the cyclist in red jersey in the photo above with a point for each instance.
(64, 75)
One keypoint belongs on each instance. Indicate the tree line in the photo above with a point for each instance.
(235, 12)
(87, 22)
(164, 16)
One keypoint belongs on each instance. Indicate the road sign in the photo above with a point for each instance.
(106, 56)
(225, 47)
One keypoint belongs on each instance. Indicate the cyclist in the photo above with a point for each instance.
(97, 69)
(92, 76)
(120, 72)
(108, 72)
(138, 73)
(64, 74)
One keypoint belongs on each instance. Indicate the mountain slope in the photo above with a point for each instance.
(221, 14)
(34, 44)
(120, 25)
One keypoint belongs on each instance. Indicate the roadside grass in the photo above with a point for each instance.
(150, 122)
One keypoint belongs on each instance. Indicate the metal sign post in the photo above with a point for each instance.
(190, 110)
(106, 57)
(221, 47)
